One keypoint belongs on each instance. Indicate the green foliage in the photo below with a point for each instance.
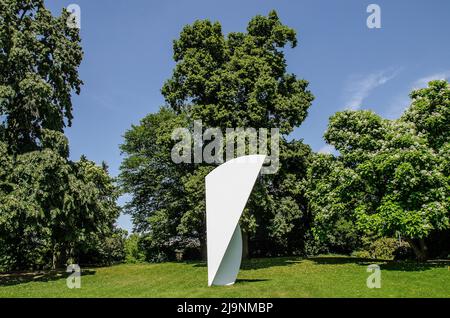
(238, 80)
(430, 113)
(155, 182)
(350, 131)
(193, 221)
(392, 175)
(105, 250)
(133, 252)
(279, 204)
(39, 57)
(53, 211)
(386, 248)
(329, 186)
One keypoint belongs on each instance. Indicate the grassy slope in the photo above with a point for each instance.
(327, 276)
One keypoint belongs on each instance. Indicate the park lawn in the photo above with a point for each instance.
(325, 276)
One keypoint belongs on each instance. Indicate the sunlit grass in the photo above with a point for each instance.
(326, 276)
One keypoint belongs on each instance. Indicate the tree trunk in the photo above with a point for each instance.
(420, 249)
(424, 250)
(245, 251)
(203, 250)
(54, 257)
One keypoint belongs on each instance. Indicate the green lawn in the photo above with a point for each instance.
(326, 276)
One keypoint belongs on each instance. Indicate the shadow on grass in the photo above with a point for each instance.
(259, 263)
(415, 266)
(412, 266)
(11, 279)
(239, 281)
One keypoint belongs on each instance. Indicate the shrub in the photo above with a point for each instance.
(361, 254)
(386, 248)
(133, 252)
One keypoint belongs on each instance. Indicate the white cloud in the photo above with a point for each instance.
(423, 81)
(401, 102)
(359, 87)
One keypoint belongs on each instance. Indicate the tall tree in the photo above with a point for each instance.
(238, 80)
(52, 210)
(39, 59)
(393, 174)
(154, 182)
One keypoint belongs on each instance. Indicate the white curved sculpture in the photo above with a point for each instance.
(227, 190)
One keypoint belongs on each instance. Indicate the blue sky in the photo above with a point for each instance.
(128, 56)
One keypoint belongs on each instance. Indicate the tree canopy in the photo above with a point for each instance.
(237, 80)
(39, 59)
(391, 177)
(53, 211)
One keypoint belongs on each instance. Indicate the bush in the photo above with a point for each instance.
(361, 254)
(344, 238)
(312, 246)
(105, 251)
(133, 252)
(386, 248)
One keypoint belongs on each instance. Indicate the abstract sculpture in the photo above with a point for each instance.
(228, 188)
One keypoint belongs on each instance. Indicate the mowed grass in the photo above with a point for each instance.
(326, 276)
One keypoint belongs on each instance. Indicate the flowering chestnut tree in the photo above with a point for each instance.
(393, 174)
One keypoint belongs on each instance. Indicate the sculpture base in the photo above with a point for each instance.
(231, 262)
